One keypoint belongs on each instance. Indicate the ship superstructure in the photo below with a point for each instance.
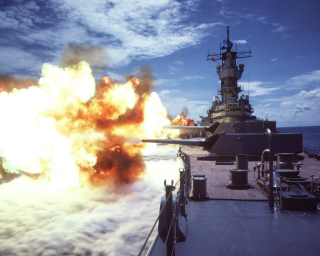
(231, 107)
(230, 112)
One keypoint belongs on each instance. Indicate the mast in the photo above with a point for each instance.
(231, 108)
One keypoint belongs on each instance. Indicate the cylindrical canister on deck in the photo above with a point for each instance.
(242, 162)
(199, 186)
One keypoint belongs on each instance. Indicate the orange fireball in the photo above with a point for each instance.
(181, 120)
(73, 130)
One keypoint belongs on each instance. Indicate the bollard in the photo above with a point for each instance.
(239, 176)
(242, 162)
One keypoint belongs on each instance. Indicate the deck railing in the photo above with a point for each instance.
(170, 214)
(312, 153)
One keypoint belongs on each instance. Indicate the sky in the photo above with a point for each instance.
(172, 38)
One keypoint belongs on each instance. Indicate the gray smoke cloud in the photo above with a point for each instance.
(106, 220)
(185, 110)
(96, 56)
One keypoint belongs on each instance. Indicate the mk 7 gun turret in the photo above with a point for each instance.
(241, 143)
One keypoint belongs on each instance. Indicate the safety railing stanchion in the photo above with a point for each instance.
(271, 201)
(169, 215)
(182, 200)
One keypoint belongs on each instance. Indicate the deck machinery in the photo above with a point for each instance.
(294, 192)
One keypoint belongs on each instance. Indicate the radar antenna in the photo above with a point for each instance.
(227, 47)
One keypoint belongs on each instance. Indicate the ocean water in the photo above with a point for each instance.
(311, 135)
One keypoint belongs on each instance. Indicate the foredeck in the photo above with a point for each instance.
(242, 223)
(218, 176)
(226, 227)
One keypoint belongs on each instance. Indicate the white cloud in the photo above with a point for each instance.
(303, 105)
(310, 94)
(164, 92)
(285, 36)
(274, 59)
(133, 29)
(286, 103)
(233, 14)
(257, 88)
(116, 76)
(240, 41)
(8, 22)
(173, 69)
(194, 77)
(145, 29)
(301, 108)
(301, 80)
(14, 60)
(17, 17)
(165, 82)
(280, 28)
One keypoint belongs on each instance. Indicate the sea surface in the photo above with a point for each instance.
(311, 135)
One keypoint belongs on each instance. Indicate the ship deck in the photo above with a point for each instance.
(225, 227)
(238, 226)
(240, 222)
(218, 176)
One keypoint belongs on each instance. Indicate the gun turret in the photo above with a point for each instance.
(241, 143)
(205, 143)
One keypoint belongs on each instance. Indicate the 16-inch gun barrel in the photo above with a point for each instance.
(181, 127)
(242, 143)
(200, 143)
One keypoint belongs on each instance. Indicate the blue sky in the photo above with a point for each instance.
(173, 39)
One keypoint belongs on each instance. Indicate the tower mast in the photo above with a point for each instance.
(230, 108)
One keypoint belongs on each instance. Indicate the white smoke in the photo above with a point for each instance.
(132, 140)
(105, 220)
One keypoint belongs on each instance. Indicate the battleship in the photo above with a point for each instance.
(244, 189)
